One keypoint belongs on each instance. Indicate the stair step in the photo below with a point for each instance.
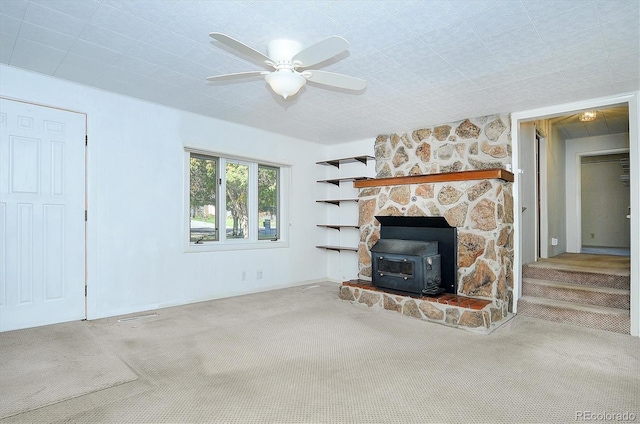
(578, 293)
(598, 317)
(570, 274)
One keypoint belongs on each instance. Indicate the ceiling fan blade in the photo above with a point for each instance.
(335, 80)
(321, 51)
(236, 76)
(242, 48)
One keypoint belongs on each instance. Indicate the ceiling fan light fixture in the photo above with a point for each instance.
(285, 83)
(285, 57)
(588, 116)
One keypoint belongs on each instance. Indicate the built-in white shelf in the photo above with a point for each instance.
(336, 201)
(364, 159)
(337, 181)
(339, 248)
(337, 162)
(338, 227)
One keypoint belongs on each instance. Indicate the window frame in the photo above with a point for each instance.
(253, 241)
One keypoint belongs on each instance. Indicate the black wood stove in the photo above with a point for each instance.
(415, 255)
(407, 266)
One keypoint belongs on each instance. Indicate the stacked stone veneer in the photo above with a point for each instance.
(482, 210)
(454, 311)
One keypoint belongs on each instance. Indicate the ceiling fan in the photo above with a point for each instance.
(289, 61)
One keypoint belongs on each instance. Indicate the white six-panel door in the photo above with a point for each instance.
(42, 225)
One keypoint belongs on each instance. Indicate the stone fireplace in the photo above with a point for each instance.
(456, 171)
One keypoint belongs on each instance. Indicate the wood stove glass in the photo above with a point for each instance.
(400, 268)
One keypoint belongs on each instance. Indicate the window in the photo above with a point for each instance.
(202, 202)
(237, 216)
(233, 201)
(267, 202)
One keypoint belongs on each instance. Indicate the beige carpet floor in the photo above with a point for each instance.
(584, 262)
(301, 355)
(46, 365)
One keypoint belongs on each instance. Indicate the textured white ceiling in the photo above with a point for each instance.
(425, 62)
(609, 120)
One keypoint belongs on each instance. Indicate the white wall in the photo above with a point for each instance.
(556, 194)
(343, 266)
(575, 148)
(136, 257)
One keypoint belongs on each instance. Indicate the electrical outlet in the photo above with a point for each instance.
(554, 241)
(244, 275)
(259, 274)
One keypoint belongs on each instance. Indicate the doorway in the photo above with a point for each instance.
(571, 216)
(605, 200)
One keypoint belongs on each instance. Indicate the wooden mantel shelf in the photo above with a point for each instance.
(481, 174)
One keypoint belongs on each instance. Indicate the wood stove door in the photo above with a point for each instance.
(397, 273)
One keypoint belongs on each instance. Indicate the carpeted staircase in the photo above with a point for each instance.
(587, 296)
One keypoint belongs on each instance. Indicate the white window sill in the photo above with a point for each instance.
(239, 245)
